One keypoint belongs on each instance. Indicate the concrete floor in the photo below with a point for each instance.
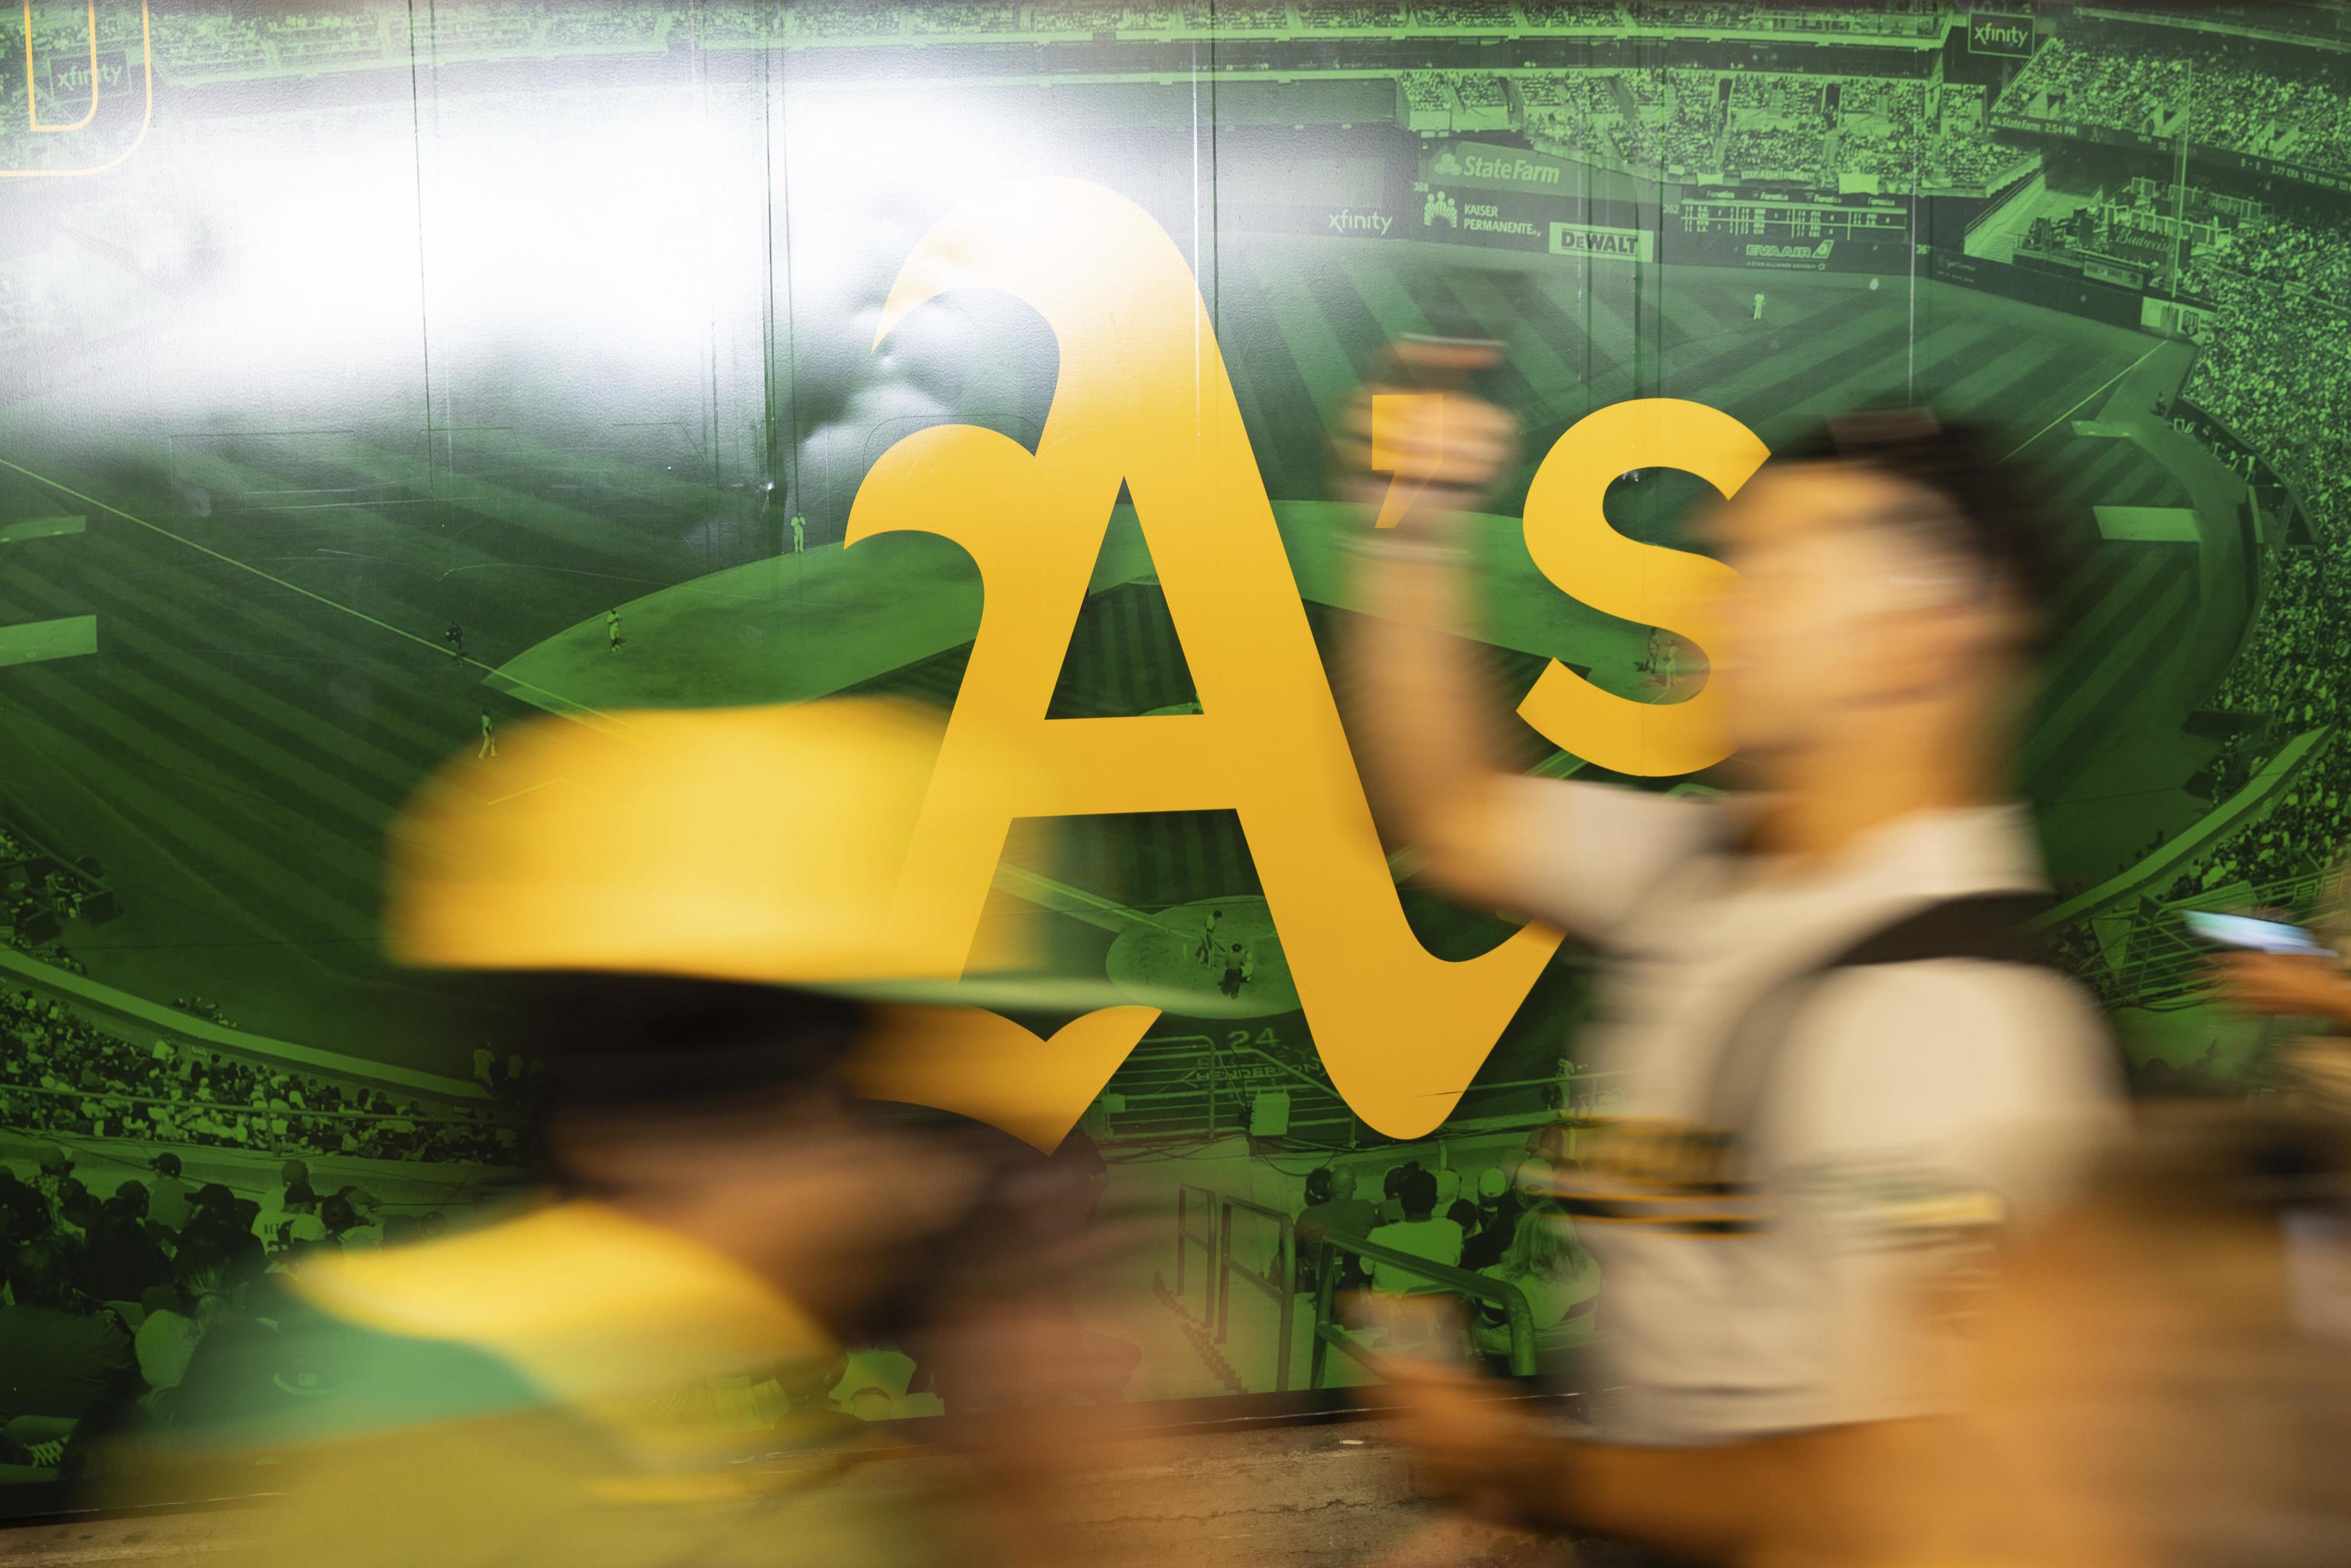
(1303, 1496)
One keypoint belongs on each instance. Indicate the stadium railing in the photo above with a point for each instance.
(2169, 969)
(1330, 1331)
(1282, 1287)
(225, 1109)
(117, 1010)
(1186, 1239)
(258, 1116)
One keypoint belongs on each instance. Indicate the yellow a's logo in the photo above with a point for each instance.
(1144, 400)
(1648, 585)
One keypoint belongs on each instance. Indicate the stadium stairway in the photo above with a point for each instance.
(2160, 865)
(1994, 237)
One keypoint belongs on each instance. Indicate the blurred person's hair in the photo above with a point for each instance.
(1343, 1181)
(1990, 513)
(720, 1042)
(201, 1270)
(40, 1275)
(168, 1162)
(1318, 1185)
(1542, 1244)
(2176, 1347)
(1418, 1194)
(1534, 1177)
(26, 1212)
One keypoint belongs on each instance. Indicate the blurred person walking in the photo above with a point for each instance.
(1839, 1072)
(2313, 991)
(632, 1371)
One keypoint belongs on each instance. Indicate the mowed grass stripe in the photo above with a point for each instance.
(403, 723)
(163, 626)
(191, 741)
(141, 778)
(307, 744)
(603, 540)
(1301, 373)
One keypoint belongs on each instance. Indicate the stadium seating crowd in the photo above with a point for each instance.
(2270, 105)
(1477, 90)
(1780, 151)
(2271, 373)
(2126, 78)
(62, 1075)
(1424, 90)
(1678, 125)
(114, 1296)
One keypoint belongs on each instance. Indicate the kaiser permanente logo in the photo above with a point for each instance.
(1593, 240)
(1759, 252)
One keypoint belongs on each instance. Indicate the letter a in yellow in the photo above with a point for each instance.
(1142, 399)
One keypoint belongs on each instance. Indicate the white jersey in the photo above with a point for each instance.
(1910, 1102)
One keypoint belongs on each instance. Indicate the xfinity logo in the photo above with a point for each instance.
(76, 79)
(1347, 221)
(1999, 35)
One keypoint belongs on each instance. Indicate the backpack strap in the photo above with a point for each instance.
(1986, 926)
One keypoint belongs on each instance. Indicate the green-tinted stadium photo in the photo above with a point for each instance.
(384, 381)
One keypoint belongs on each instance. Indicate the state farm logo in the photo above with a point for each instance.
(1468, 164)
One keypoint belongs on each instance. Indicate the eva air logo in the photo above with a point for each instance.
(1821, 251)
(1144, 403)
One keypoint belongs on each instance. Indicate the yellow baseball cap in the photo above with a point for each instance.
(761, 844)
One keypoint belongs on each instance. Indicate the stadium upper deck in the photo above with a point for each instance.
(2101, 71)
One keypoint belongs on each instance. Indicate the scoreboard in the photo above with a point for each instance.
(1790, 220)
